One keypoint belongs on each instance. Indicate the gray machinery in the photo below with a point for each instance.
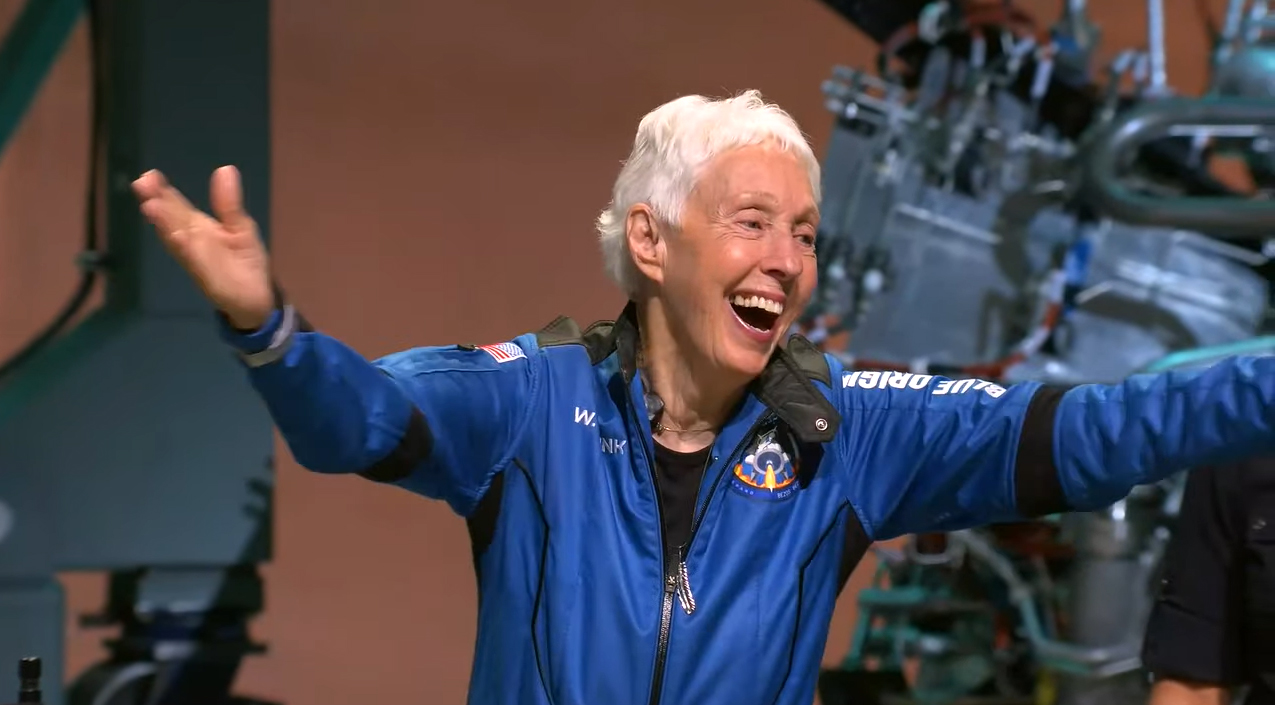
(130, 441)
(991, 209)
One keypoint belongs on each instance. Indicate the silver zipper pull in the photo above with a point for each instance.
(684, 594)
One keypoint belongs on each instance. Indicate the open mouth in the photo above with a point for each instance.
(756, 312)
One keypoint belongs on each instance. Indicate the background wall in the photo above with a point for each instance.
(437, 170)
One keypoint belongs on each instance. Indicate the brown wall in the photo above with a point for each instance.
(440, 164)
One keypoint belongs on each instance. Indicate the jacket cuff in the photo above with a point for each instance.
(250, 342)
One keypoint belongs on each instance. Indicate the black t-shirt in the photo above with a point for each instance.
(678, 476)
(1214, 619)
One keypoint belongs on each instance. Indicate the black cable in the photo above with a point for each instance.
(87, 259)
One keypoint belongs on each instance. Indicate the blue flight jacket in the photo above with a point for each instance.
(544, 444)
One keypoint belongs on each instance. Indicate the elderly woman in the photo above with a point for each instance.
(664, 508)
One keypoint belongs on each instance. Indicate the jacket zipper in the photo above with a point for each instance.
(670, 573)
(683, 574)
(676, 577)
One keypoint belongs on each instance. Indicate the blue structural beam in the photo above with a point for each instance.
(134, 441)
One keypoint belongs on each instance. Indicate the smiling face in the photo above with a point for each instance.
(741, 266)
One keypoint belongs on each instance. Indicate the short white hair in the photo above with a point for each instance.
(674, 142)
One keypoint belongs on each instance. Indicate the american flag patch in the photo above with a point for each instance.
(503, 352)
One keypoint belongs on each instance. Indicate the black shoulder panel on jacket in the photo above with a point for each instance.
(596, 338)
(809, 359)
(561, 331)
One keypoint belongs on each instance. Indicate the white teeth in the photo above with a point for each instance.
(758, 302)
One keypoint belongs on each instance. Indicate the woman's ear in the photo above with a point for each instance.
(646, 242)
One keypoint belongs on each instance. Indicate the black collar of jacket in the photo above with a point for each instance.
(786, 386)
